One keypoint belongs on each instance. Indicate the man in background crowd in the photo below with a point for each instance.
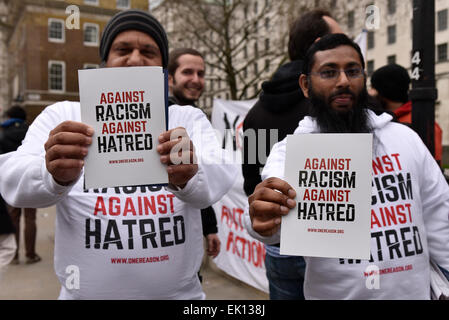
(390, 85)
(186, 71)
(13, 132)
(280, 107)
(335, 82)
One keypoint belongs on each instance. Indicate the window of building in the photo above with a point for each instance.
(123, 4)
(256, 50)
(391, 59)
(91, 2)
(391, 33)
(56, 31)
(267, 44)
(91, 34)
(267, 23)
(245, 52)
(56, 76)
(370, 40)
(267, 65)
(442, 20)
(256, 68)
(370, 67)
(442, 52)
(391, 6)
(256, 8)
(351, 19)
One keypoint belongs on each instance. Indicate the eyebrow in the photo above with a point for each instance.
(335, 65)
(189, 69)
(124, 43)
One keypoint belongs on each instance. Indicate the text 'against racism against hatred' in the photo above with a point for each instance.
(327, 173)
(129, 135)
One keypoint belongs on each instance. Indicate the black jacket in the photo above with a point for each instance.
(11, 135)
(281, 106)
(208, 218)
(6, 226)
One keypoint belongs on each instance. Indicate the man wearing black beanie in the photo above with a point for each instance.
(130, 242)
(390, 85)
(134, 20)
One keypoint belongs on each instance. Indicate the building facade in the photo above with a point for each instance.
(43, 43)
(389, 24)
(243, 42)
(48, 42)
(390, 40)
(4, 28)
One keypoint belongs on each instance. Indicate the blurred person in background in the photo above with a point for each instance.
(390, 85)
(186, 71)
(13, 132)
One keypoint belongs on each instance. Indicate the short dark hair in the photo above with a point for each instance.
(173, 63)
(16, 112)
(392, 82)
(328, 42)
(305, 30)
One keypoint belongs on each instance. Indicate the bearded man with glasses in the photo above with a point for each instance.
(334, 80)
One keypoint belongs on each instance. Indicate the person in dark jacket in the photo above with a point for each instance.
(13, 131)
(8, 244)
(280, 107)
(186, 70)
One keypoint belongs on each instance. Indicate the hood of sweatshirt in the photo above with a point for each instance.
(283, 91)
(310, 125)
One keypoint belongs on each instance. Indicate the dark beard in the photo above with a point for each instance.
(182, 101)
(331, 121)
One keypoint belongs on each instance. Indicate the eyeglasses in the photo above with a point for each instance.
(332, 74)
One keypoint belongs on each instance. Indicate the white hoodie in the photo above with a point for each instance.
(127, 242)
(409, 221)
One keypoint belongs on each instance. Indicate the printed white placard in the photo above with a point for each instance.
(128, 111)
(331, 174)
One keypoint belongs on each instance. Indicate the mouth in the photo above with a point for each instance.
(342, 99)
(194, 92)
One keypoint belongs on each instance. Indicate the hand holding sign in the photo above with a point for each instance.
(272, 199)
(66, 149)
(176, 150)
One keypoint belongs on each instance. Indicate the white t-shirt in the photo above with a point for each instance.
(409, 221)
(140, 242)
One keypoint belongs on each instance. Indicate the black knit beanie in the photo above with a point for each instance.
(134, 20)
(392, 82)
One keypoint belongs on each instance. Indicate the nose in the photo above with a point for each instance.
(135, 58)
(342, 80)
(194, 77)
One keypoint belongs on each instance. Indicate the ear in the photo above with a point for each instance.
(304, 84)
(170, 80)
